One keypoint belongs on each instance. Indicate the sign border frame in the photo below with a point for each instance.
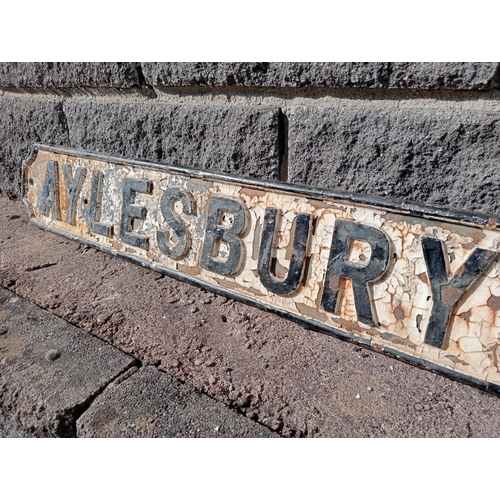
(445, 214)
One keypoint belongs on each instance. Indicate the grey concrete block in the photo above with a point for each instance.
(304, 74)
(439, 157)
(180, 74)
(154, 404)
(231, 139)
(50, 370)
(68, 74)
(445, 75)
(25, 120)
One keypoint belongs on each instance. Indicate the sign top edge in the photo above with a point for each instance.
(391, 204)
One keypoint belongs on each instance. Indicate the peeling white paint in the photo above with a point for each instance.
(402, 299)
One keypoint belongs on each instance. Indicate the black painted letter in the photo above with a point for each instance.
(292, 280)
(73, 184)
(131, 212)
(338, 268)
(446, 293)
(175, 224)
(49, 199)
(216, 232)
(95, 209)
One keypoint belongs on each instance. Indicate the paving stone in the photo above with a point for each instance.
(9, 428)
(439, 157)
(316, 74)
(25, 120)
(230, 139)
(68, 74)
(153, 404)
(44, 395)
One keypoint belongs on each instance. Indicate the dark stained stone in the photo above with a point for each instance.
(41, 395)
(25, 120)
(68, 74)
(153, 404)
(231, 139)
(330, 74)
(438, 157)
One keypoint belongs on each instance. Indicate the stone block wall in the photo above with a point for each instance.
(425, 132)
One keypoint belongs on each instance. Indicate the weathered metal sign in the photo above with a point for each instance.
(418, 283)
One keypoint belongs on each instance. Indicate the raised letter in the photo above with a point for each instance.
(446, 293)
(95, 224)
(338, 268)
(175, 224)
(49, 199)
(291, 282)
(216, 232)
(131, 212)
(73, 184)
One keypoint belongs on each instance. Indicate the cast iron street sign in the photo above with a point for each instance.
(418, 283)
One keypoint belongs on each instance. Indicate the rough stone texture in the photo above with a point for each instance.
(297, 382)
(23, 121)
(68, 74)
(243, 140)
(50, 370)
(435, 157)
(9, 428)
(436, 75)
(153, 404)
(300, 74)
(230, 139)
(264, 74)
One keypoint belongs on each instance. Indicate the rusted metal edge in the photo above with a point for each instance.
(305, 323)
(427, 212)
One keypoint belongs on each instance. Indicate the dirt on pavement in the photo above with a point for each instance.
(295, 381)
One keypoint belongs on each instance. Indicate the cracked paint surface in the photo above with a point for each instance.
(401, 299)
